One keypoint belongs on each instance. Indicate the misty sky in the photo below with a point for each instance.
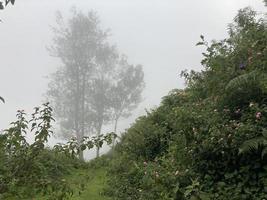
(159, 34)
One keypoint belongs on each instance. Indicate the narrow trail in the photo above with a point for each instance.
(88, 184)
(93, 182)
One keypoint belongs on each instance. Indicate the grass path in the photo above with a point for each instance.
(93, 182)
(88, 184)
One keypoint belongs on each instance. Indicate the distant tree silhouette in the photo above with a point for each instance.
(94, 86)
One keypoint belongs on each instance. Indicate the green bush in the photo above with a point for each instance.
(28, 170)
(207, 141)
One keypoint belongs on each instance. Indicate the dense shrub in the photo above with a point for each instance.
(28, 170)
(206, 141)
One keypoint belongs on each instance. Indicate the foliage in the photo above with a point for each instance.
(2, 99)
(95, 86)
(207, 141)
(30, 169)
(256, 144)
(6, 2)
(126, 93)
(18, 156)
(76, 43)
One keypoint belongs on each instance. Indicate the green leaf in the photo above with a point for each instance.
(199, 43)
(83, 147)
(2, 99)
(264, 152)
(204, 196)
(10, 1)
(243, 81)
(264, 133)
(252, 144)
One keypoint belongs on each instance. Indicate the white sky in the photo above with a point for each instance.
(159, 34)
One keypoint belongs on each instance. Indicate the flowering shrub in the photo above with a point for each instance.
(207, 141)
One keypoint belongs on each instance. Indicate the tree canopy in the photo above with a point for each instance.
(95, 85)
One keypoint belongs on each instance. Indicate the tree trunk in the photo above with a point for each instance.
(115, 132)
(100, 111)
(81, 157)
(77, 111)
(79, 139)
(98, 134)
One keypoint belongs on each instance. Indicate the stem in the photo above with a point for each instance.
(115, 131)
(98, 134)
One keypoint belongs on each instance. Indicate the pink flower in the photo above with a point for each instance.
(226, 110)
(251, 104)
(258, 115)
(237, 111)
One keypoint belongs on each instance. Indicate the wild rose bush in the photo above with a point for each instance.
(208, 141)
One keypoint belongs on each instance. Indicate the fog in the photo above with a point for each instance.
(160, 35)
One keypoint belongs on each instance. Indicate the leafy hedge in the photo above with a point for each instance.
(206, 141)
